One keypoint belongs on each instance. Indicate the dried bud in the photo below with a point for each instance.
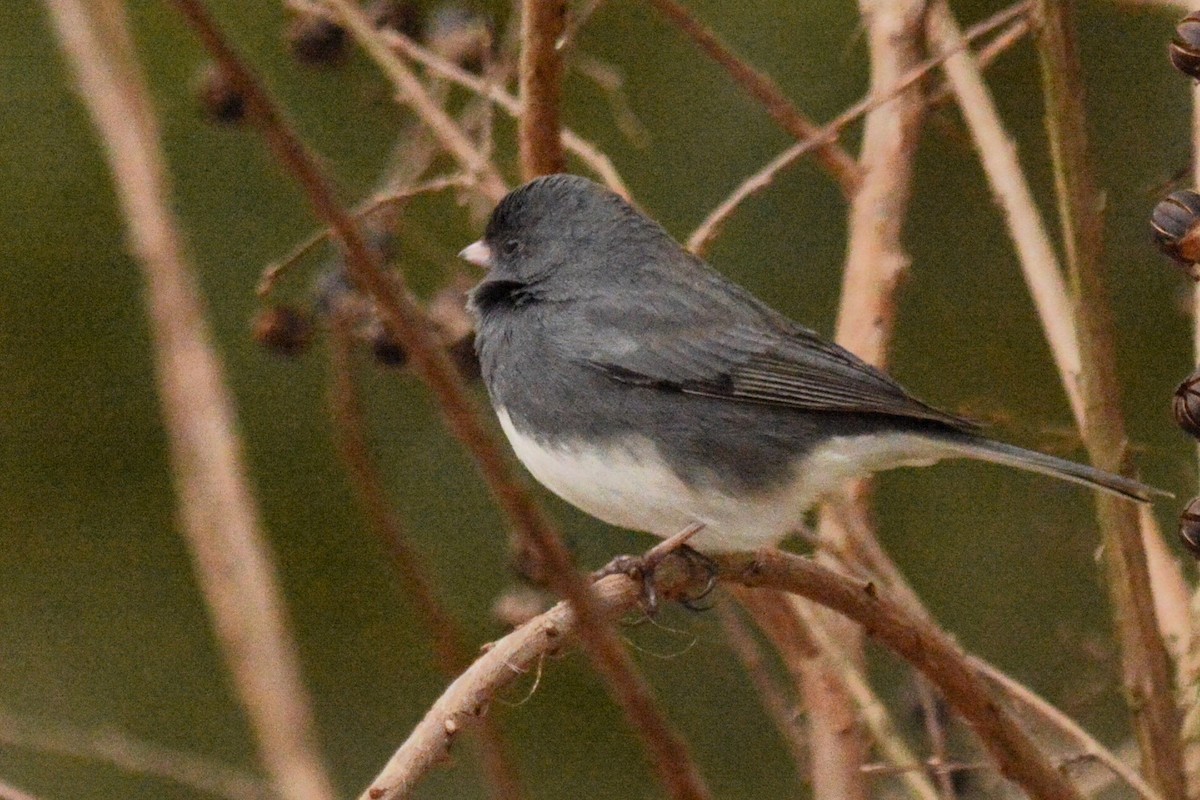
(1189, 527)
(283, 330)
(1186, 405)
(1175, 224)
(458, 34)
(402, 16)
(386, 350)
(1184, 49)
(218, 99)
(316, 40)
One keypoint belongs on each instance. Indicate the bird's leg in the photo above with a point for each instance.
(641, 568)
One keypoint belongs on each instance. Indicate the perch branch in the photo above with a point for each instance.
(219, 517)
(540, 74)
(10, 792)
(832, 156)
(666, 749)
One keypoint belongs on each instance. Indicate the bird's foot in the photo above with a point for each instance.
(643, 568)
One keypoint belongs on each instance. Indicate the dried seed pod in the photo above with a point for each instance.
(1189, 527)
(219, 100)
(316, 40)
(402, 16)
(283, 330)
(386, 350)
(1186, 405)
(1184, 49)
(1175, 223)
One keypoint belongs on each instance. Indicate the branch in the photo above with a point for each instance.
(703, 236)
(1146, 667)
(540, 74)
(470, 158)
(449, 643)
(134, 756)
(219, 516)
(10, 792)
(669, 755)
(911, 637)
(584, 150)
(840, 165)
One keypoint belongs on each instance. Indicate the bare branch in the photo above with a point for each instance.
(703, 236)
(541, 70)
(110, 746)
(669, 754)
(10, 792)
(219, 516)
(584, 150)
(833, 157)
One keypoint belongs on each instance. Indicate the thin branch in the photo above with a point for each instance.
(710, 228)
(134, 756)
(1023, 695)
(540, 75)
(10, 792)
(220, 519)
(668, 753)
(584, 150)
(781, 709)
(833, 157)
(413, 94)
(1146, 667)
(449, 644)
(998, 154)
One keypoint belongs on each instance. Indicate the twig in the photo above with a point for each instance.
(131, 755)
(540, 75)
(1146, 667)
(921, 644)
(10, 792)
(779, 707)
(272, 274)
(669, 755)
(703, 236)
(1023, 695)
(584, 150)
(998, 155)
(935, 731)
(449, 644)
(469, 157)
(833, 157)
(219, 516)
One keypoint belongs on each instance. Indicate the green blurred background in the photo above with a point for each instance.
(101, 623)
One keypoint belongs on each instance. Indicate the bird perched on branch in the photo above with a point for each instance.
(642, 386)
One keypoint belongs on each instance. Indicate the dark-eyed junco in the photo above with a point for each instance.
(642, 386)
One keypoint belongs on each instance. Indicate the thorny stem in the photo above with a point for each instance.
(1145, 664)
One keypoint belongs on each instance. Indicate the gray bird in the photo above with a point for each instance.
(640, 385)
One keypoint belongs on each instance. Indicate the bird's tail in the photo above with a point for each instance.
(983, 449)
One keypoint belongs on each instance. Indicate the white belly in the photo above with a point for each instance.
(629, 485)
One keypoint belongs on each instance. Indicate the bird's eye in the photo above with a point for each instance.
(510, 247)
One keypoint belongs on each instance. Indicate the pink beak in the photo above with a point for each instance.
(477, 253)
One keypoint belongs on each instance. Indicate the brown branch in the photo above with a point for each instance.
(219, 516)
(833, 157)
(585, 151)
(709, 229)
(10, 792)
(667, 751)
(413, 93)
(1145, 665)
(540, 75)
(780, 708)
(910, 636)
(449, 644)
(134, 756)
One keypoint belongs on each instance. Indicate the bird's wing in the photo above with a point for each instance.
(742, 352)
